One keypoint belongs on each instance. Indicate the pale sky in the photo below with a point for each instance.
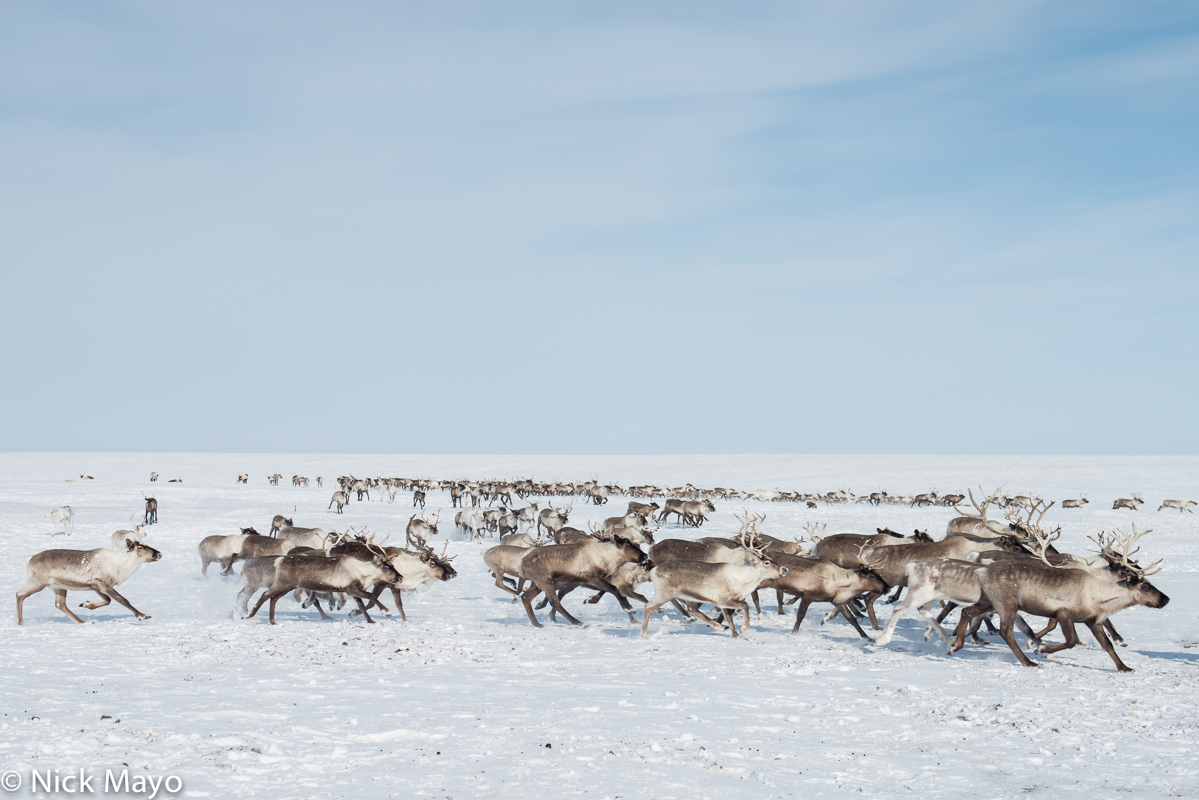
(600, 227)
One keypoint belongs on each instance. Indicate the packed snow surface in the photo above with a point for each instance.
(468, 700)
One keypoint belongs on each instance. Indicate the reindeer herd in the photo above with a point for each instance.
(981, 567)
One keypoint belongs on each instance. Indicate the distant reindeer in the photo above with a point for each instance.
(1131, 503)
(418, 499)
(151, 511)
(243, 478)
(153, 477)
(1079, 503)
(64, 516)
(274, 479)
(341, 499)
(1181, 505)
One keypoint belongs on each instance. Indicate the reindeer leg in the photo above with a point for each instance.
(1007, 622)
(399, 600)
(358, 598)
(552, 596)
(103, 601)
(60, 602)
(968, 615)
(1106, 644)
(800, 613)
(948, 607)
(316, 602)
(1071, 638)
(757, 605)
(527, 598)
(687, 615)
(702, 616)
(650, 609)
(845, 612)
(1113, 633)
(869, 599)
(110, 591)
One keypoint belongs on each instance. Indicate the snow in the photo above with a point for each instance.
(462, 700)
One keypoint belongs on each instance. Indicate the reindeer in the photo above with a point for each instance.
(222, 549)
(519, 540)
(936, 579)
(304, 537)
(726, 585)
(255, 546)
(818, 580)
(64, 516)
(696, 512)
(1066, 595)
(274, 479)
(344, 574)
(151, 510)
(422, 528)
(1125, 502)
(418, 499)
(241, 478)
(504, 560)
(673, 506)
(926, 499)
(470, 521)
(100, 570)
(420, 566)
(977, 524)
(361, 488)
(507, 524)
(280, 521)
(553, 519)
(341, 499)
(645, 510)
(259, 573)
(588, 563)
(1079, 503)
(528, 515)
(153, 477)
(1181, 505)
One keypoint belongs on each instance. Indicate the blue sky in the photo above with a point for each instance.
(600, 228)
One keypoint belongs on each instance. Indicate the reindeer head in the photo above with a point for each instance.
(144, 551)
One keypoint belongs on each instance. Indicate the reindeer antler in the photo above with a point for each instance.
(1042, 540)
(987, 500)
(1122, 545)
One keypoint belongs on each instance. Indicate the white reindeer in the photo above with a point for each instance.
(65, 517)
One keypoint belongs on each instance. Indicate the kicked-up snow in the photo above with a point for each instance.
(467, 700)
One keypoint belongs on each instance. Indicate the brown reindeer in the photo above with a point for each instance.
(725, 585)
(1066, 595)
(588, 563)
(330, 574)
(100, 570)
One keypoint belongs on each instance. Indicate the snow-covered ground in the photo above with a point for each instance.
(468, 700)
